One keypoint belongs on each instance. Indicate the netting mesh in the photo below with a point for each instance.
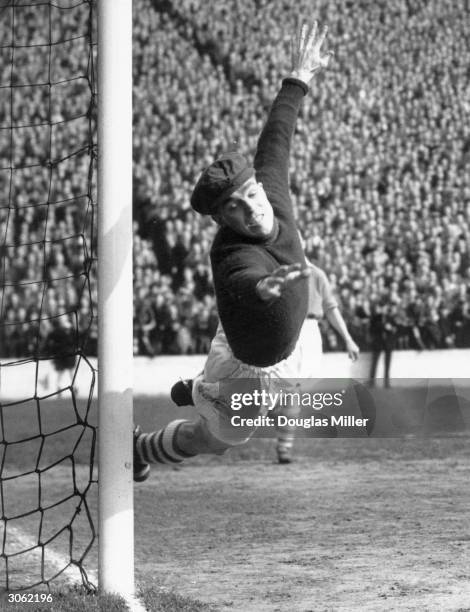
(47, 289)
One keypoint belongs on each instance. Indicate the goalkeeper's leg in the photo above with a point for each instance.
(171, 445)
(210, 432)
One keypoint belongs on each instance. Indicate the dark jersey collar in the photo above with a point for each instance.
(227, 235)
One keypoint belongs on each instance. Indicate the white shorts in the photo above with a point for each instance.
(312, 349)
(224, 373)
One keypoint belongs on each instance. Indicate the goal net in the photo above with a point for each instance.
(47, 291)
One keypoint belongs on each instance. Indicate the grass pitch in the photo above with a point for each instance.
(354, 524)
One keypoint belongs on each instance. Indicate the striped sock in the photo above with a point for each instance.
(160, 446)
(285, 443)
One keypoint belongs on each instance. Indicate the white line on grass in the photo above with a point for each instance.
(26, 542)
(71, 573)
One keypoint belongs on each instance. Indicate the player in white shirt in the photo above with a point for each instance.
(322, 303)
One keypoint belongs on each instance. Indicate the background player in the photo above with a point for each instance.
(321, 302)
(260, 277)
(61, 344)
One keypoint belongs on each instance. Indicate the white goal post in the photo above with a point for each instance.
(115, 295)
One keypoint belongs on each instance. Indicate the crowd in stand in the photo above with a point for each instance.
(379, 172)
(47, 129)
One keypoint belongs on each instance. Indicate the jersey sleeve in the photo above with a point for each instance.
(272, 154)
(328, 299)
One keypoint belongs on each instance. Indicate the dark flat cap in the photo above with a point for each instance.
(218, 181)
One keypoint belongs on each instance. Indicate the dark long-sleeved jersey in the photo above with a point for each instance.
(263, 333)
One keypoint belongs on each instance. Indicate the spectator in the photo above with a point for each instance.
(386, 214)
(383, 338)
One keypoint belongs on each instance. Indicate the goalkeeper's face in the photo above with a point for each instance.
(248, 211)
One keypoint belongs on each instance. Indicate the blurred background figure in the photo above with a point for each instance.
(61, 345)
(383, 333)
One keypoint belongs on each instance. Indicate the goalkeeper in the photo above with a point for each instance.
(260, 277)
